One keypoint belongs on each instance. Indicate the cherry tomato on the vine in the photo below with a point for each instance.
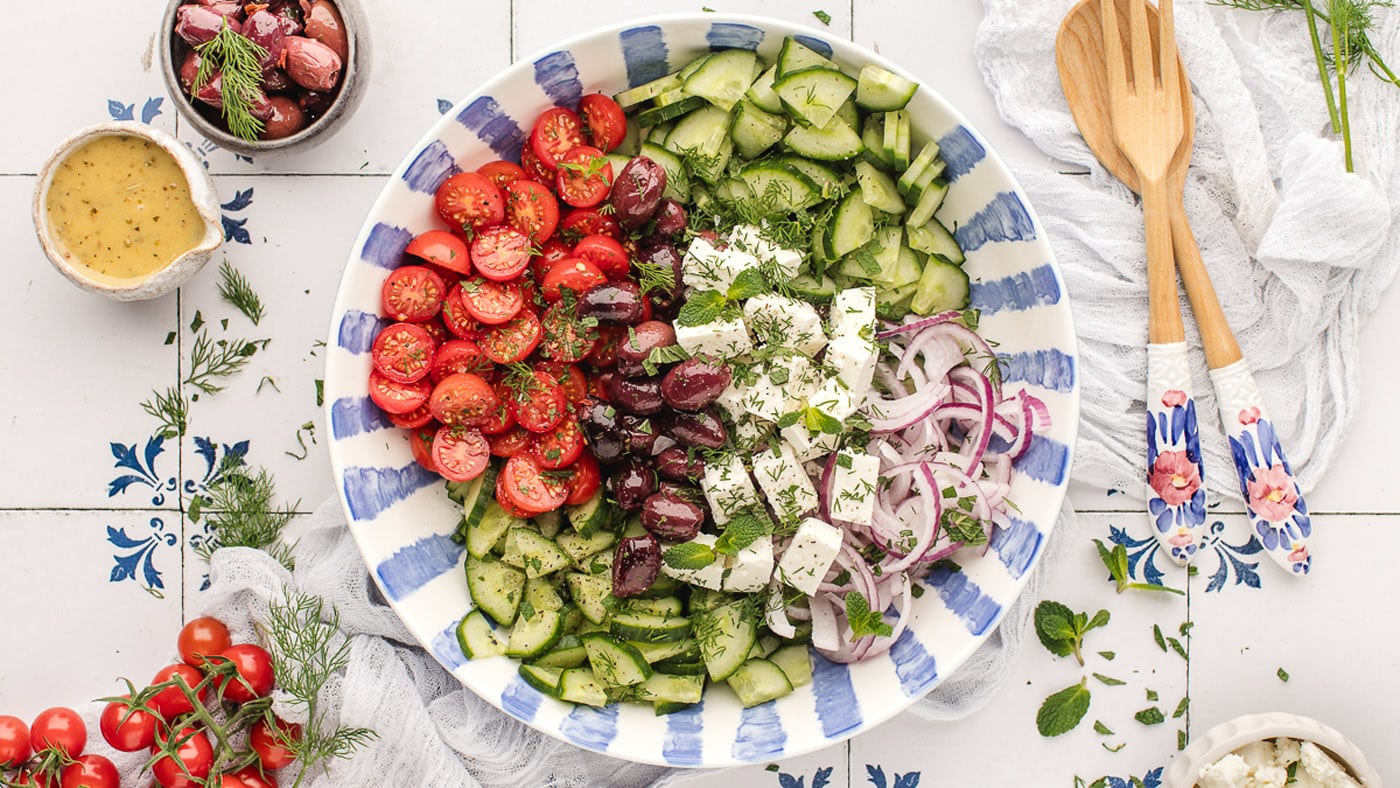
(272, 754)
(127, 729)
(248, 777)
(202, 637)
(255, 676)
(14, 741)
(90, 771)
(59, 727)
(189, 764)
(171, 702)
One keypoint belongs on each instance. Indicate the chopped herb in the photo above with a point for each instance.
(1150, 716)
(1109, 680)
(1062, 711)
(1152, 695)
(862, 619)
(237, 291)
(689, 555)
(1181, 708)
(1117, 562)
(823, 16)
(1062, 631)
(1157, 637)
(218, 358)
(1282, 675)
(1108, 655)
(742, 530)
(1181, 745)
(1102, 729)
(1115, 748)
(701, 308)
(320, 392)
(171, 409)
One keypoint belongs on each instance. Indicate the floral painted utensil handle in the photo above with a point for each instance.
(1176, 498)
(1273, 500)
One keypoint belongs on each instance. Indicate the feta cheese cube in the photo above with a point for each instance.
(1270, 777)
(711, 576)
(765, 399)
(808, 557)
(731, 400)
(721, 339)
(788, 262)
(853, 359)
(1323, 769)
(853, 483)
(802, 378)
(1228, 772)
(728, 488)
(807, 446)
(787, 322)
(1286, 751)
(750, 238)
(834, 399)
(785, 483)
(709, 268)
(853, 313)
(751, 568)
(749, 433)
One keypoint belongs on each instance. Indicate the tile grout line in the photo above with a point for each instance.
(180, 455)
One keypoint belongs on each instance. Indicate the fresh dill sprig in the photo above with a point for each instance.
(240, 513)
(238, 292)
(308, 650)
(218, 358)
(237, 60)
(654, 277)
(171, 409)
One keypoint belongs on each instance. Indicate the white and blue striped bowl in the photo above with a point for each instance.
(402, 520)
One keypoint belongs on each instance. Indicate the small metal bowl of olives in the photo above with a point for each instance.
(261, 79)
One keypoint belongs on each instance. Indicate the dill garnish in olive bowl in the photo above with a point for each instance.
(259, 79)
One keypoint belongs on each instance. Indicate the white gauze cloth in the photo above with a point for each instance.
(1299, 250)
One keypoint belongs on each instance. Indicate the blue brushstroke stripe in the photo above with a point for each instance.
(1023, 290)
(1046, 459)
(416, 565)
(357, 330)
(433, 165)
(483, 117)
(913, 665)
(351, 416)
(520, 700)
(837, 706)
(965, 599)
(644, 51)
(815, 44)
(760, 735)
(1003, 219)
(961, 151)
(1017, 545)
(591, 728)
(384, 246)
(733, 35)
(557, 75)
(447, 649)
(370, 491)
(685, 742)
(1048, 369)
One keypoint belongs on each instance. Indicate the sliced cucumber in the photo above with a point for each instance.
(477, 637)
(701, 138)
(878, 189)
(495, 587)
(761, 92)
(540, 593)
(647, 628)
(942, 286)
(813, 95)
(535, 635)
(615, 661)
(759, 681)
(880, 90)
(755, 130)
(656, 115)
(581, 548)
(780, 187)
(595, 514)
(680, 667)
(795, 662)
(921, 162)
(567, 653)
(579, 685)
(592, 594)
(795, 56)
(672, 688)
(872, 135)
(828, 181)
(852, 226)
(723, 78)
(726, 633)
(835, 141)
(539, 555)
(686, 649)
(809, 288)
(929, 201)
(933, 238)
(646, 91)
(896, 141)
(545, 679)
(489, 527)
(663, 606)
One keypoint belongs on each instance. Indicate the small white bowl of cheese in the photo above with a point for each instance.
(1271, 749)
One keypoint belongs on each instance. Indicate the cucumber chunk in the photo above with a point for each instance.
(813, 95)
(489, 527)
(723, 78)
(615, 662)
(726, 634)
(942, 286)
(759, 681)
(880, 90)
(497, 588)
(544, 679)
(477, 637)
(579, 685)
(646, 91)
(535, 635)
(795, 662)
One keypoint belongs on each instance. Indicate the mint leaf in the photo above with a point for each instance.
(747, 284)
(701, 308)
(1109, 680)
(863, 620)
(789, 419)
(1102, 729)
(1181, 708)
(1061, 712)
(741, 531)
(1150, 716)
(1053, 627)
(1282, 675)
(690, 555)
(818, 422)
(667, 354)
(823, 16)
(1157, 636)
(962, 527)
(1116, 561)
(1108, 655)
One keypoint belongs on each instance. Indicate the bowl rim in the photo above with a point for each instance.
(180, 268)
(352, 88)
(1226, 737)
(1072, 400)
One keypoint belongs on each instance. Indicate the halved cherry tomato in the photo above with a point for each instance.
(254, 677)
(501, 253)
(585, 176)
(556, 132)
(436, 330)
(457, 355)
(14, 741)
(462, 398)
(461, 454)
(586, 221)
(441, 248)
(511, 442)
(598, 384)
(456, 316)
(570, 378)
(604, 121)
(414, 418)
(507, 504)
(394, 397)
(403, 352)
(535, 168)
(501, 419)
(604, 354)
(532, 209)
(560, 446)
(502, 173)
(537, 401)
(513, 341)
(584, 480)
(171, 702)
(552, 251)
(420, 442)
(606, 253)
(469, 201)
(413, 293)
(490, 302)
(574, 273)
(529, 487)
(90, 771)
(566, 338)
(202, 637)
(193, 757)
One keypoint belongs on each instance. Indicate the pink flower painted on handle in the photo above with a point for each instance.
(1249, 415)
(1273, 493)
(1174, 477)
(1173, 398)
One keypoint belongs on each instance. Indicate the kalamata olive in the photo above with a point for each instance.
(677, 465)
(315, 102)
(276, 80)
(636, 192)
(671, 219)
(641, 434)
(636, 347)
(231, 9)
(613, 302)
(311, 64)
(665, 255)
(641, 396)
(599, 418)
(672, 517)
(608, 448)
(264, 29)
(196, 24)
(633, 483)
(288, 13)
(287, 119)
(695, 383)
(635, 565)
(189, 69)
(324, 24)
(699, 429)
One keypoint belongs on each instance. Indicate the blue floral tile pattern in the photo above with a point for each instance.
(136, 554)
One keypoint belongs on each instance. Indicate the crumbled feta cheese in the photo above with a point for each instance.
(705, 267)
(721, 339)
(749, 433)
(785, 483)
(808, 557)
(1323, 769)
(1257, 753)
(853, 313)
(853, 482)
(853, 359)
(1270, 777)
(833, 399)
(711, 576)
(765, 399)
(1229, 772)
(752, 568)
(807, 446)
(787, 322)
(728, 488)
(1286, 751)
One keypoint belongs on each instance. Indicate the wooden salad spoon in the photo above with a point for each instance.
(1274, 501)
